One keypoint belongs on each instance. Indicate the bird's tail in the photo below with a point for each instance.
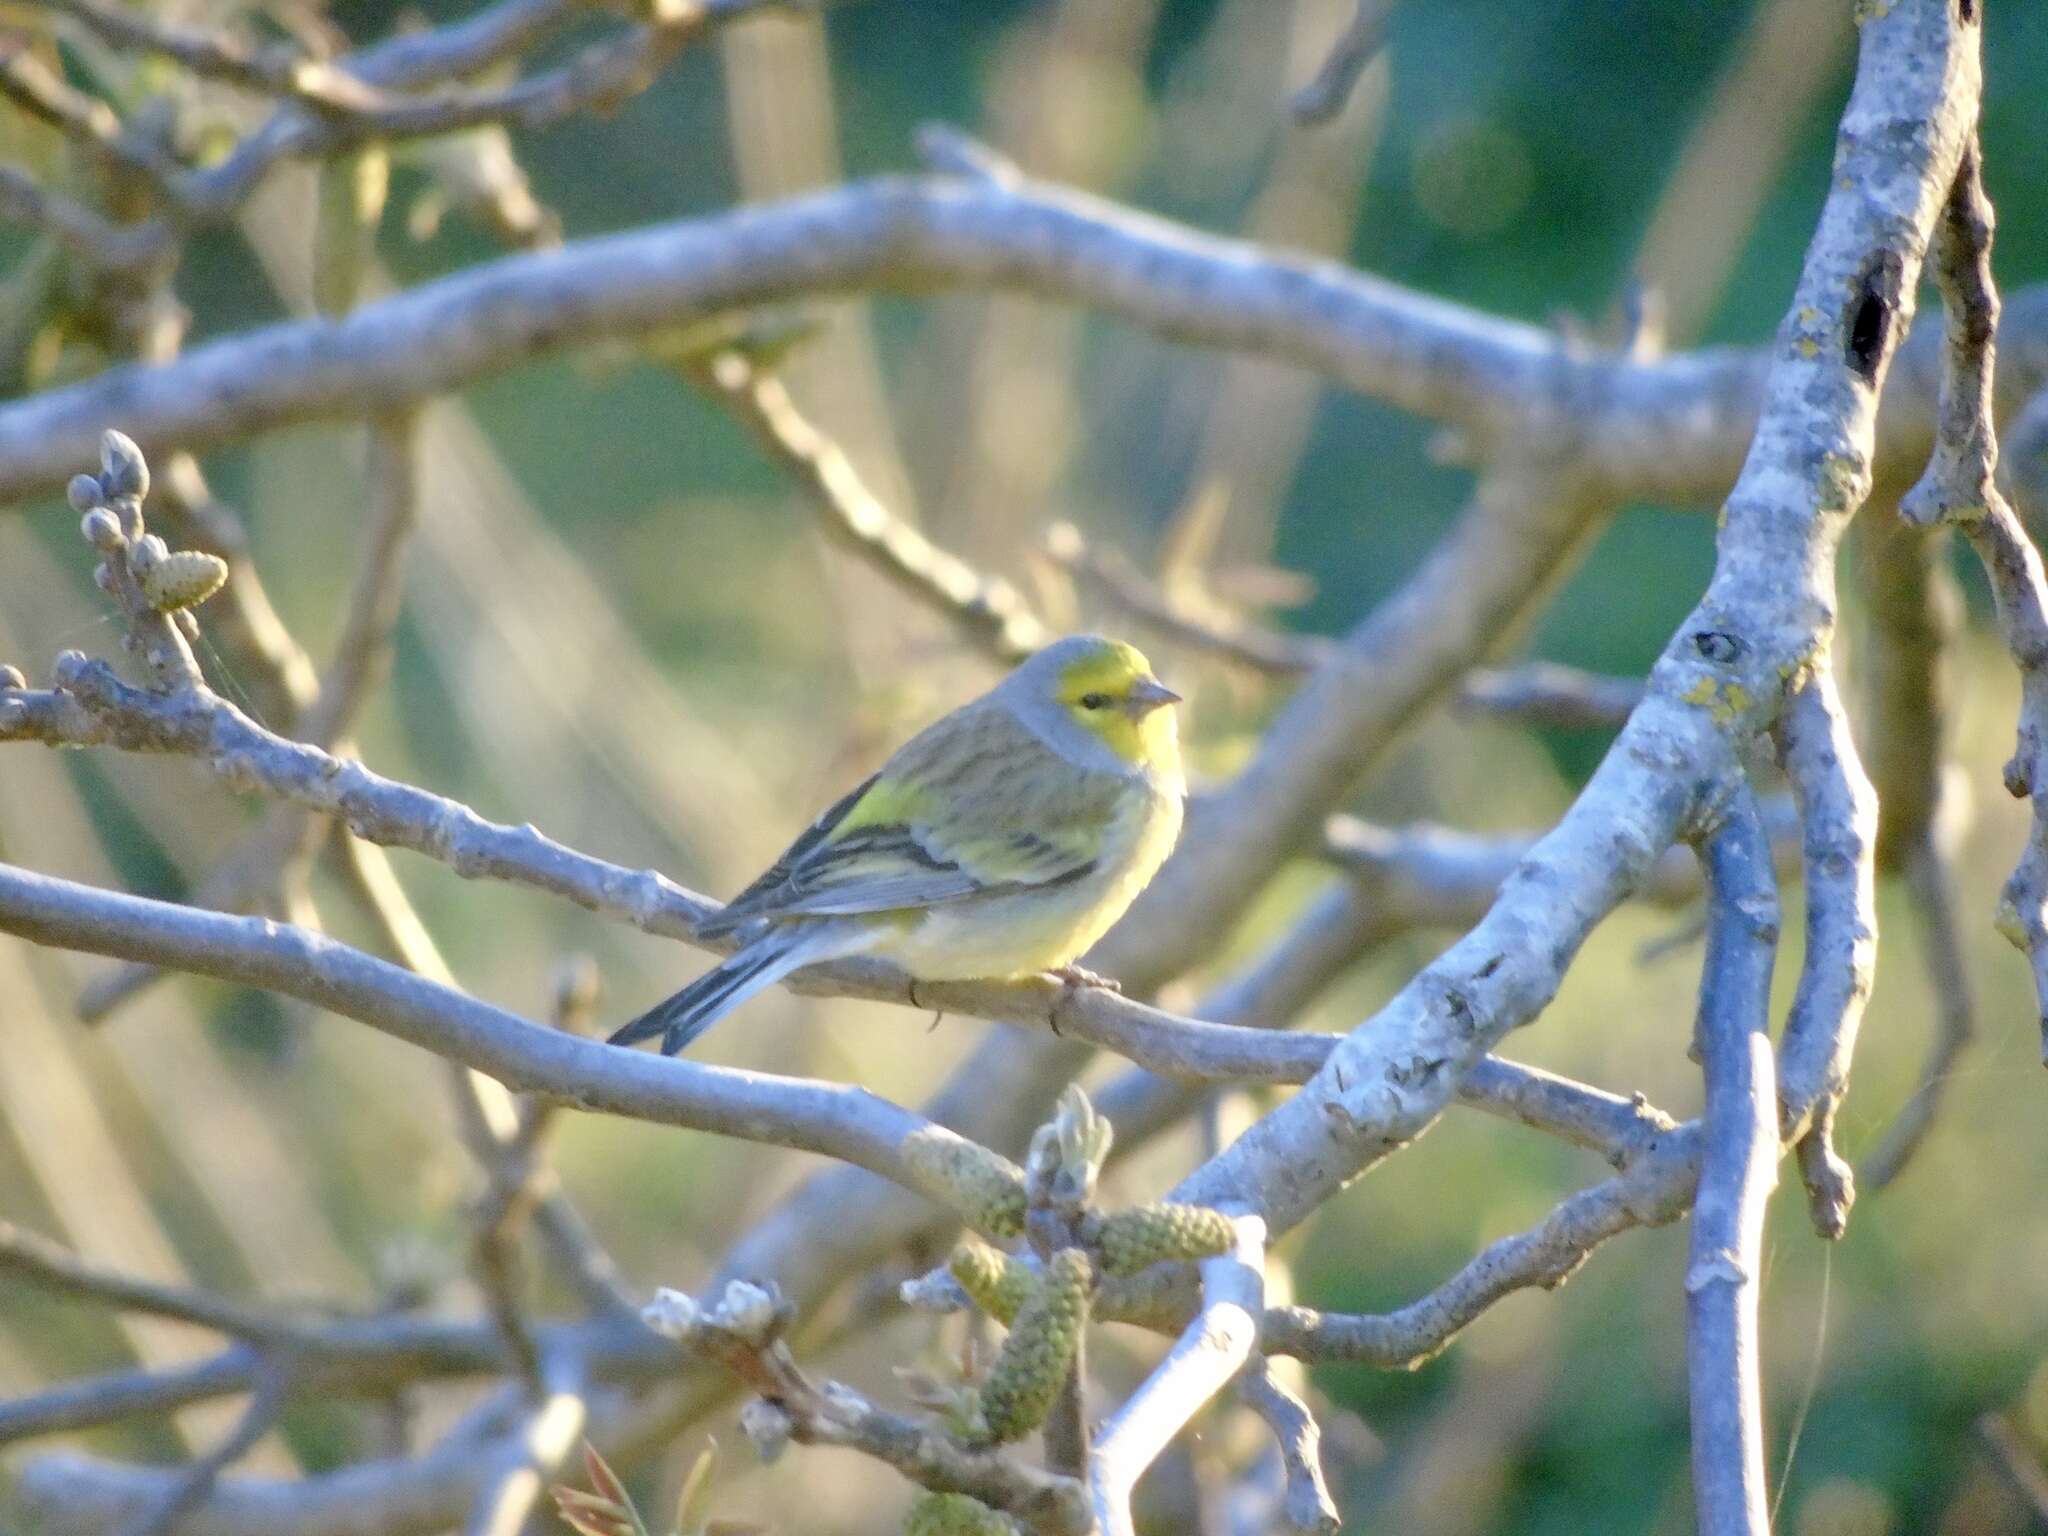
(752, 968)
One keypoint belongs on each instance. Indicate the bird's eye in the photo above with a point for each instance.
(1094, 701)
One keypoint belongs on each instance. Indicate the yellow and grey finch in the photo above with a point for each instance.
(1001, 840)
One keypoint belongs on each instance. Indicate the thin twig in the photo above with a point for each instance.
(987, 609)
(1839, 810)
(1960, 485)
(36, 1260)
(1308, 1505)
(1738, 1167)
(1538, 693)
(744, 1332)
(2017, 1465)
(278, 69)
(1932, 891)
(1656, 1188)
(1356, 47)
(196, 1479)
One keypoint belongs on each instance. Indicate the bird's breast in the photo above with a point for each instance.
(1017, 933)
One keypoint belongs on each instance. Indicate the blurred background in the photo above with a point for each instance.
(622, 625)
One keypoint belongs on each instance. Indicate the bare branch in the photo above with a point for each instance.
(71, 1495)
(1540, 693)
(349, 1356)
(85, 120)
(1657, 1187)
(1440, 877)
(2016, 1464)
(1204, 1360)
(988, 610)
(2021, 591)
(744, 1333)
(1673, 429)
(279, 69)
(197, 1478)
(1839, 810)
(362, 655)
(1960, 486)
(409, 60)
(1309, 1507)
(1767, 614)
(1113, 574)
(846, 1123)
(530, 1457)
(1324, 97)
(98, 242)
(1932, 890)
(1916, 609)
(1544, 693)
(38, 1261)
(1738, 1167)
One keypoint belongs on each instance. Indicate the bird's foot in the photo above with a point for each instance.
(1076, 976)
(938, 1014)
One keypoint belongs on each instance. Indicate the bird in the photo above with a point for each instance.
(1001, 841)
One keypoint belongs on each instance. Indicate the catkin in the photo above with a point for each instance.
(986, 1189)
(1152, 1234)
(954, 1514)
(1025, 1380)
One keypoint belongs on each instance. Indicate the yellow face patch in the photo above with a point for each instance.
(1095, 689)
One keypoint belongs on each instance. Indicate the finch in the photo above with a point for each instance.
(1002, 840)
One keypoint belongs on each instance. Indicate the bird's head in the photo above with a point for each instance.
(1107, 690)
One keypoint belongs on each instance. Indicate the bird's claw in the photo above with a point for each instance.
(1076, 976)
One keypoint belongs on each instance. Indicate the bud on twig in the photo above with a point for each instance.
(123, 470)
(674, 1315)
(84, 493)
(768, 1427)
(750, 1313)
(100, 529)
(147, 553)
(1067, 1155)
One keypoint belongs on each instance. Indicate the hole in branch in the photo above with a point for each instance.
(1870, 321)
(1717, 645)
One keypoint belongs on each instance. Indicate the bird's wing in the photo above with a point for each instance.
(978, 807)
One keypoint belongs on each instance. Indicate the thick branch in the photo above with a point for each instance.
(846, 1123)
(1212, 1351)
(1767, 614)
(1674, 428)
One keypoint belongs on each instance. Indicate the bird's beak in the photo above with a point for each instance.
(1146, 695)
